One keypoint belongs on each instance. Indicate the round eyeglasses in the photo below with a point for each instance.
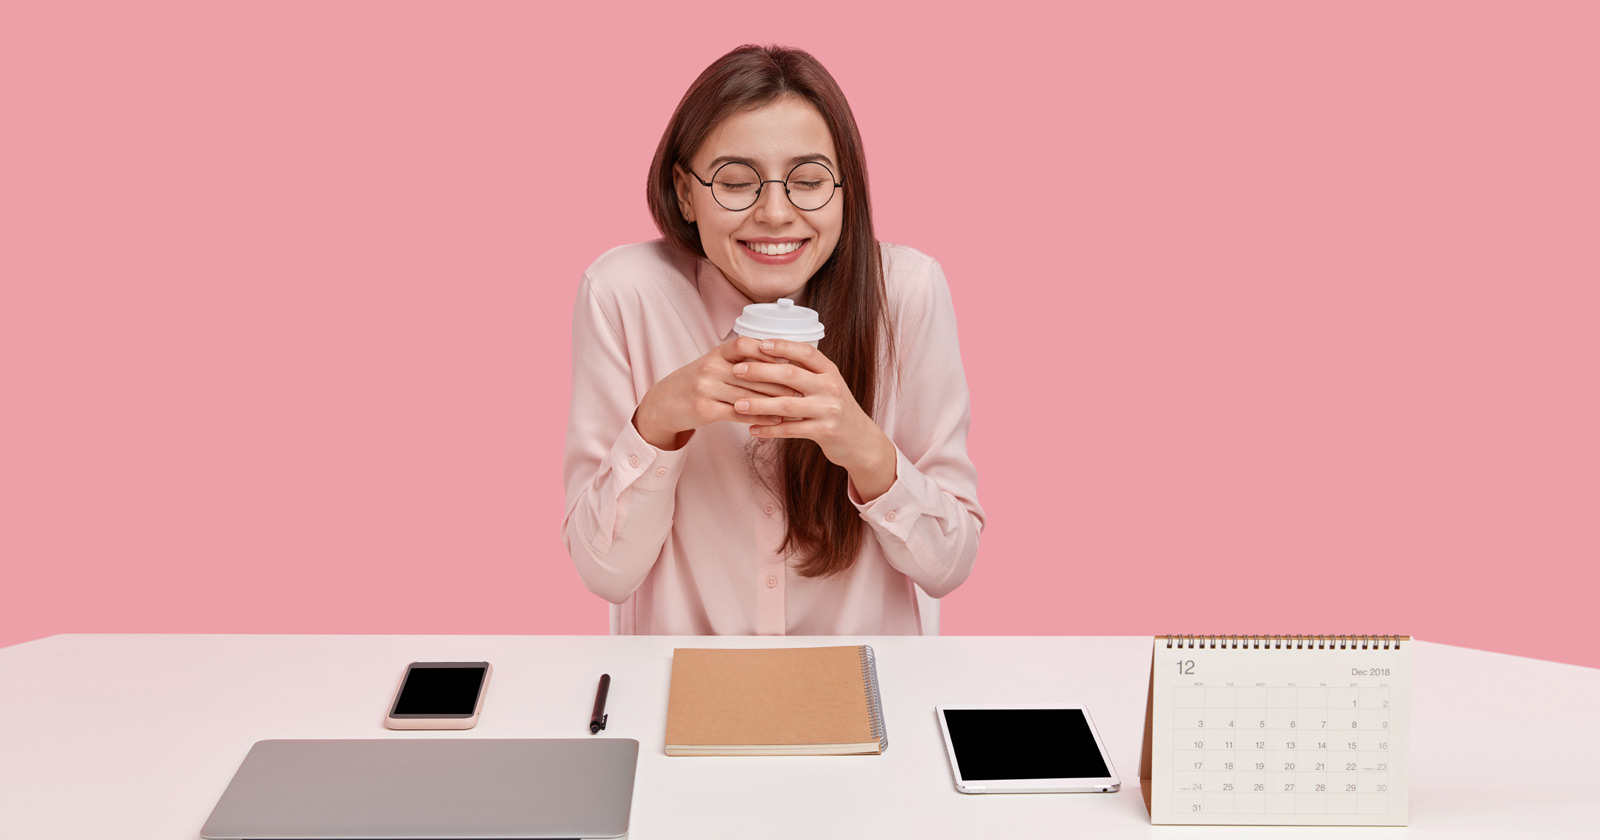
(737, 186)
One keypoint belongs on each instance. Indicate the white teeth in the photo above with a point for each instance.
(773, 249)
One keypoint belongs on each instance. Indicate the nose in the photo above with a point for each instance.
(772, 206)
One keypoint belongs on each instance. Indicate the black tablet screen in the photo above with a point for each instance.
(1024, 744)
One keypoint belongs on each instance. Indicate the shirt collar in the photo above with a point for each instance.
(723, 302)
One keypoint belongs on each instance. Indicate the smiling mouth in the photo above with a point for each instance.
(774, 249)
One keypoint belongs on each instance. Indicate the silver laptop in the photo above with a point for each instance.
(433, 789)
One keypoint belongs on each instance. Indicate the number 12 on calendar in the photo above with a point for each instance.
(1277, 730)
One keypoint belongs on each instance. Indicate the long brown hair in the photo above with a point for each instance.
(824, 528)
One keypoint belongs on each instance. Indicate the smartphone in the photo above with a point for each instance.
(439, 695)
(1026, 749)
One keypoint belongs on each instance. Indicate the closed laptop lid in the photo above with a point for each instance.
(433, 789)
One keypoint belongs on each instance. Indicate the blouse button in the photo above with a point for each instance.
(661, 471)
(633, 460)
(890, 516)
(769, 509)
(771, 581)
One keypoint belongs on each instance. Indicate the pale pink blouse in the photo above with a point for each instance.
(687, 541)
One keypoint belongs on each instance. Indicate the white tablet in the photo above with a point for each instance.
(1026, 749)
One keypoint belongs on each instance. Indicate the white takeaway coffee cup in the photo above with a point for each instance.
(783, 320)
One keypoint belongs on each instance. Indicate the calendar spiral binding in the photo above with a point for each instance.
(1285, 642)
(869, 677)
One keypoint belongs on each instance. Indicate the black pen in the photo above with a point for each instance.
(597, 721)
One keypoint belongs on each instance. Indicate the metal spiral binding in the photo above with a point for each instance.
(869, 677)
(1285, 642)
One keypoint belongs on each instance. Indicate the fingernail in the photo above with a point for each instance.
(767, 345)
(742, 405)
(755, 431)
(740, 369)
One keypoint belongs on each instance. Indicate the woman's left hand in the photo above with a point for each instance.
(828, 414)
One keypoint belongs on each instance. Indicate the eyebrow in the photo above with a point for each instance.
(793, 162)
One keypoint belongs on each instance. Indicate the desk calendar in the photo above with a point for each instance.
(1277, 730)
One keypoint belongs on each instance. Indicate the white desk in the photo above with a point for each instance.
(136, 736)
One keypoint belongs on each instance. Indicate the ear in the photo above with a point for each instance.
(681, 184)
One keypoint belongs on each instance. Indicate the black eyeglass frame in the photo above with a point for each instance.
(763, 185)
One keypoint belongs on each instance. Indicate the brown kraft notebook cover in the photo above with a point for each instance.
(776, 701)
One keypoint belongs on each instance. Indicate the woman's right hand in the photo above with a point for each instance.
(703, 392)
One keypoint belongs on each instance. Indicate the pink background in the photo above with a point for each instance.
(1277, 318)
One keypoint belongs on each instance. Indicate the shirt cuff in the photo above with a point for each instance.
(643, 466)
(898, 508)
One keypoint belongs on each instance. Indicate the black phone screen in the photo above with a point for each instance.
(1024, 744)
(440, 690)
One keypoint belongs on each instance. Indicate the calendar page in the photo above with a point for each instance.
(1278, 730)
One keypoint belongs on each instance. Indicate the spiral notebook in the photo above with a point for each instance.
(1277, 730)
(775, 701)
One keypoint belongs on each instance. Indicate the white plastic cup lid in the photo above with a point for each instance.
(782, 320)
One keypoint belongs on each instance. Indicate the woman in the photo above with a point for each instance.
(721, 484)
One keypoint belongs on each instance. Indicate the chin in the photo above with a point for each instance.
(773, 290)
(767, 285)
